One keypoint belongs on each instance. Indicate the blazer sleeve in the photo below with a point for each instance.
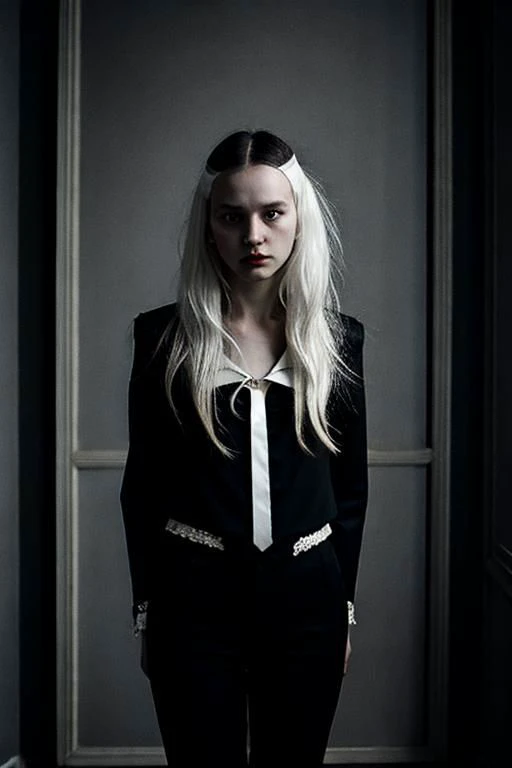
(139, 487)
(349, 468)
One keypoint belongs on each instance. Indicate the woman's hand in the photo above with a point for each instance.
(348, 651)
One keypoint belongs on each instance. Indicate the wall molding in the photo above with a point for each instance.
(442, 258)
(67, 298)
(112, 459)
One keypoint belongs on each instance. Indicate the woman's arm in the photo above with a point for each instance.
(349, 469)
(140, 479)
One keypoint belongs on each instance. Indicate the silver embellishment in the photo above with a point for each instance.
(141, 618)
(311, 540)
(351, 613)
(194, 534)
(208, 539)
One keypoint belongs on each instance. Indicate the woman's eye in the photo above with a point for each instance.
(230, 218)
(272, 215)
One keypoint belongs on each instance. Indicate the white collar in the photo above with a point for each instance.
(231, 373)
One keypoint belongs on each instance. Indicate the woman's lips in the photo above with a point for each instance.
(256, 259)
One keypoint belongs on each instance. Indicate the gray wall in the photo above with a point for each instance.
(9, 17)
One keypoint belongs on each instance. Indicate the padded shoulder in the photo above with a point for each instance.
(157, 319)
(352, 330)
(151, 333)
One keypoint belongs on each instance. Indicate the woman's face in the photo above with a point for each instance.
(253, 222)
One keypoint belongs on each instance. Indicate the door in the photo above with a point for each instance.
(147, 89)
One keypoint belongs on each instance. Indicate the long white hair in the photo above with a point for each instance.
(307, 294)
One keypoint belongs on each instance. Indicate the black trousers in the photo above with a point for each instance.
(246, 647)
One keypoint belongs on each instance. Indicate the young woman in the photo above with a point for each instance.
(245, 487)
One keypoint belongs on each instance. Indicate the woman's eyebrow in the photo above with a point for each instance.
(274, 204)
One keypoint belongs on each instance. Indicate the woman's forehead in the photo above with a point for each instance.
(261, 183)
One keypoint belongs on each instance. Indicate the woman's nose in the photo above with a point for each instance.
(254, 234)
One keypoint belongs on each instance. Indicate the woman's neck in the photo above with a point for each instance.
(256, 304)
(258, 331)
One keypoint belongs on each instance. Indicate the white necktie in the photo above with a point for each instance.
(261, 507)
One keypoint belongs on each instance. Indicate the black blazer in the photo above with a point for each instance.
(174, 471)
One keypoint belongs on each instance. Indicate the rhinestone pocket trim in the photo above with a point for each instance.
(194, 534)
(208, 539)
(311, 540)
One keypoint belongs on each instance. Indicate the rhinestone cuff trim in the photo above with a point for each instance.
(140, 618)
(311, 540)
(351, 613)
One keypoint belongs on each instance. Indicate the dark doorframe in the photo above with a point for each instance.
(481, 556)
(36, 317)
(469, 64)
(496, 699)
